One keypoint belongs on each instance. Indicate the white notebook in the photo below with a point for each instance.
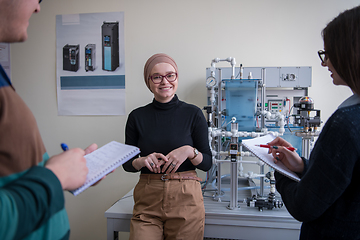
(262, 154)
(104, 160)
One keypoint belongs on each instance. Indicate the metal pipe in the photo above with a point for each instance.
(263, 94)
(218, 138)
(234, 171)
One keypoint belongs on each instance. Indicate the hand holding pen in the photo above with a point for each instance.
(88, 150)
(286, 153)
(69, 167)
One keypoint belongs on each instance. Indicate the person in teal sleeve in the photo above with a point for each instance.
(31, 183)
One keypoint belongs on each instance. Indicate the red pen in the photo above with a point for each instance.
(268, 146)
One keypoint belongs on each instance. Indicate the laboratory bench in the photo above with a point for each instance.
(220, 222)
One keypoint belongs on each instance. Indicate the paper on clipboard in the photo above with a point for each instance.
(262, 154)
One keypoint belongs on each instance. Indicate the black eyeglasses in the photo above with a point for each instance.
(157, 78)
(322, 55)
(40, 1)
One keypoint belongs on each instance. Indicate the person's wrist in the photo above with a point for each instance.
(195, 153)
(136, 164)
(58, 175)
(301, 166)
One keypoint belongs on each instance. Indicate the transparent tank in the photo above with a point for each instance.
(241, 100)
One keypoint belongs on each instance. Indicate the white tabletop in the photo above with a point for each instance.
(220, 222)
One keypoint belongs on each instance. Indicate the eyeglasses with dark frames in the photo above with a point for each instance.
(322, 55)
(157, 78)
(40, 1)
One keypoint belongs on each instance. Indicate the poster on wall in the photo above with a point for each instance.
(90, 64)
(5, 57)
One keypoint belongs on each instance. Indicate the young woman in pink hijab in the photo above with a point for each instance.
(173, 138)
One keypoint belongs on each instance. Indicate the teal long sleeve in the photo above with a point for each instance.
(28, 202)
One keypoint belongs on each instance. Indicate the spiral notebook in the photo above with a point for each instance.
(262, 154)
(104, 160)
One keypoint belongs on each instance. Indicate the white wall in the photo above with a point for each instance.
(193, 32)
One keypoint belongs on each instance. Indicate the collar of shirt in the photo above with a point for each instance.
(353, 100)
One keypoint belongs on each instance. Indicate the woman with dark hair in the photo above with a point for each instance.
(173, 138)
(327, 198)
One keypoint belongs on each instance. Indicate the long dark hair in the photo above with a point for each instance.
(342, 45)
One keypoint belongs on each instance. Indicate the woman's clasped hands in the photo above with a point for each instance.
(171, 162)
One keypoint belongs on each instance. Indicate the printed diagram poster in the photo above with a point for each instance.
(90, 63)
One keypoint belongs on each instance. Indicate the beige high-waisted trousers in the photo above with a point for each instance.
(167, 210)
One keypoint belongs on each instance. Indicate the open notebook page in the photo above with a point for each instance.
(262, 154)
(104, 160)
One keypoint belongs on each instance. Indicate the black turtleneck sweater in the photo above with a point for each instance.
(163, 127)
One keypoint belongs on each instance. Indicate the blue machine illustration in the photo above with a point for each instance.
(110, 45)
